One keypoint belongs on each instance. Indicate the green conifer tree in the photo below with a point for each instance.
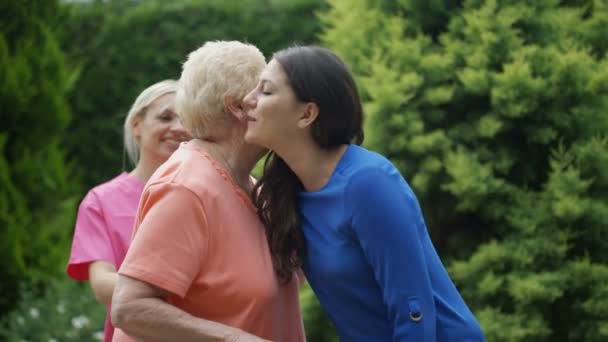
(37, 205)
(496, 112)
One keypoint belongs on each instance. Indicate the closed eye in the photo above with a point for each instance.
(167, 115)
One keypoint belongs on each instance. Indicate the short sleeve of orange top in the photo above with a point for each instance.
(198, 237)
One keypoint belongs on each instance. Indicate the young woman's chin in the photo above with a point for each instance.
(253, 139)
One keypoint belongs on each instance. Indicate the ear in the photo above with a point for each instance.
(136, 125)
(235, 107)
(310, 114)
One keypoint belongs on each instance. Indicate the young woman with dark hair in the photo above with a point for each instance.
(343, 213)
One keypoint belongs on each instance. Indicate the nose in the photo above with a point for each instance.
(250, 99)
(178, 127)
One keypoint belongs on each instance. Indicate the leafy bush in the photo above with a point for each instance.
(64, 311)
(496, 112)
(37, 191)
(121, 48)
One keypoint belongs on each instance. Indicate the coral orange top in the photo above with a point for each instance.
(198, 237)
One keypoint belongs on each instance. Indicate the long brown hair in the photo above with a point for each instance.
(316, 75)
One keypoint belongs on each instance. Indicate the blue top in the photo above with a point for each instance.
(371, 262)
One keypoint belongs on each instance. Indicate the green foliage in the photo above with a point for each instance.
(121, 48)
(37, 201)
(64, 311)
(498, 117)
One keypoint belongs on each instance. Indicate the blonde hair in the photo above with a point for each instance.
(216, 72)
(139, 108)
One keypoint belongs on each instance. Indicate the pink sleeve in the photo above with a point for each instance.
(91, 240)
(170, 239)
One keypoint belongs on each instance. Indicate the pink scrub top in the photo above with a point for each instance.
(104, 229)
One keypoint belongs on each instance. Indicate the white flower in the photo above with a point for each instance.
(98, 335)
(20, 320)
(52, 340)
(79, 322)
(34, 312)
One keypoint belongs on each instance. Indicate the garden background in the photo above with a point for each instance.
(495, 111)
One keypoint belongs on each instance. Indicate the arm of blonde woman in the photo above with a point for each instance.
(102, 278)
(140, 310)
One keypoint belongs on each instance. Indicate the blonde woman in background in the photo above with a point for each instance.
(104, 225)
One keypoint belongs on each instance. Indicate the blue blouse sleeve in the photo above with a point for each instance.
(387, 222)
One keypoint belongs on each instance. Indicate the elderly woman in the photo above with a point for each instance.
(199, 267)
(152, 132)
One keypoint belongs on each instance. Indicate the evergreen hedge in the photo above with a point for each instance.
(37, 194)
(122, 47)
(496, 112)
